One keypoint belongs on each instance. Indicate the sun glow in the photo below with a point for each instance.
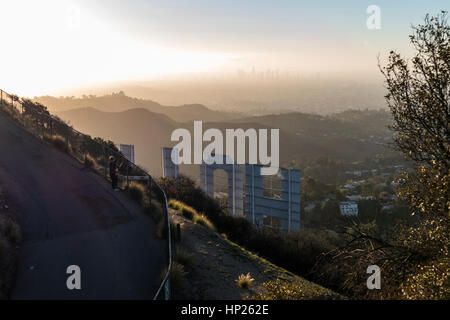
(47, 46)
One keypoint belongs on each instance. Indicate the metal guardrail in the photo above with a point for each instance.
(35, 118)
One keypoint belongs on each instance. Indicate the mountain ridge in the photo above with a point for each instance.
(118, 102)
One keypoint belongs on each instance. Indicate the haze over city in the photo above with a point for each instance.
(201, 48)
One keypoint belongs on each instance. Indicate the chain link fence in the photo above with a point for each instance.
(93, 153)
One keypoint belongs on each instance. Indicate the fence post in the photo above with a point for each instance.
(128, 180)
(150, 191)
(178, 232)
(253, 193)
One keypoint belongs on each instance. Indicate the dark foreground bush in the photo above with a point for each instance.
(137, 192)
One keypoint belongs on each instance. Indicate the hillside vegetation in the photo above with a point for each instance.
(212, 265)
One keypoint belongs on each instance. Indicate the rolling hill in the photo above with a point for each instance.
(148, 131)
(119, 102)
(303, 137)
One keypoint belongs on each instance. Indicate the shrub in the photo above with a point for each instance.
(162, 229)
(89, 162)
(202, 220)
(155, 210)
(244, 281)
(174, 204)
(182, 256)
(188, 212)
(297, 252)
(137, 192)
(177, 276)
(10, 230)
(10, 237)
(280, 290)
(58, 142)
(185, 190)
(191, 214)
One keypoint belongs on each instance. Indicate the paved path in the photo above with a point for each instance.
(72, 217)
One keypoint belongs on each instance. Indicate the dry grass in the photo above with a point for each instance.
(10, 230)
(161, 231)
(138, 192)
(58, 141)
(204, 221)
(177, 276)
(176, 205)
(245, 281)
(184, 257)
(191, 214)
(89, 162)
(188, 212)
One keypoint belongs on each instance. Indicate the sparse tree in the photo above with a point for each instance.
(415, 259)
(419, 94)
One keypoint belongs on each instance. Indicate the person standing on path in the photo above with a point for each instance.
(113, 173)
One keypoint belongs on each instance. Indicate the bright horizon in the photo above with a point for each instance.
(55, 46)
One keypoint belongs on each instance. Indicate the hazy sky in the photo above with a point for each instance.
(48, 45)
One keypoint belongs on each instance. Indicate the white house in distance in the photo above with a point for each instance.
(348, 208)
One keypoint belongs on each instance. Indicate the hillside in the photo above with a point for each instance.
(309, 137)
(350, 136)
(71, 216)
(218, 262)
(348, 124)
(148, 131)
(120, 102)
